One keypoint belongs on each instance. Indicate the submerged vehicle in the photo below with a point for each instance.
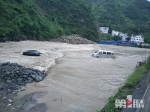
(32, 53)
(103, 54)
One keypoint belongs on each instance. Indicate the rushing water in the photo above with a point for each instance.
(81, 83)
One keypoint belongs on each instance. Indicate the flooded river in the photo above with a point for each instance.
(76, 81)
(80, 83)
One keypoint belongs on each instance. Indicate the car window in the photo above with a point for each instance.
(35, 51)
(109, 53)
(100, 52)
(104, 52)
(96, 51)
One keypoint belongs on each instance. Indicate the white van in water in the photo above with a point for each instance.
(103, 54)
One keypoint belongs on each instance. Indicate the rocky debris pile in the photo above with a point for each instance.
(73, 39)
(14, 77)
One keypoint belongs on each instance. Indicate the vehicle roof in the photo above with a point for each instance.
(31, 50)
(105, 51)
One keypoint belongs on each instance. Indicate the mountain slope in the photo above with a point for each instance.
(129, 16)
(45, 19)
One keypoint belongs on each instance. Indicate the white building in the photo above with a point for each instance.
(120, 34)
(104, 29)
(137, 38)
(115, 33)
(124, 36)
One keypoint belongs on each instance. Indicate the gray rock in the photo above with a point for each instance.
(13, 76)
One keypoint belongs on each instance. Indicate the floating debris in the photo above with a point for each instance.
(9, 105)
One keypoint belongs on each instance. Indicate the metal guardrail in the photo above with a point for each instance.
(146, 98)
(117, 43)
(143, 93)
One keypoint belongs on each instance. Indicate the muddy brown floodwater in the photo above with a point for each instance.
(76, 81)
(80, 83)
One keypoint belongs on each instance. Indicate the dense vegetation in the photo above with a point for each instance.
(128, 16)
(45, 19)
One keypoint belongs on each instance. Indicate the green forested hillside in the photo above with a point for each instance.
(128, 16)
(45, 19)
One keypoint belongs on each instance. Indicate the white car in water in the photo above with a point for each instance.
(103, 54)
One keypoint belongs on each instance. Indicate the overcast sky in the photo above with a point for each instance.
(148, 0)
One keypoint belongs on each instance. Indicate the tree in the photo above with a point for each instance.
(128, 39)
(116, 38)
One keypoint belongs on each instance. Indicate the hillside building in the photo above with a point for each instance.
(115, 33)
(104, 29)
(137, 39)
